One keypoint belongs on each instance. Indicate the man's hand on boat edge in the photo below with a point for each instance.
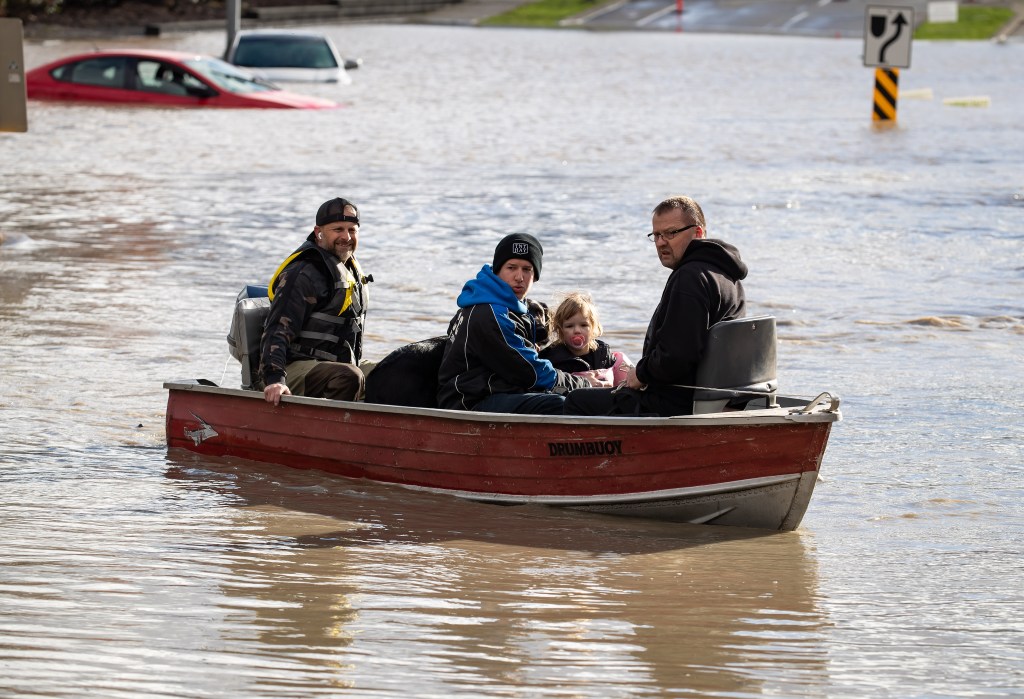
(273, 393)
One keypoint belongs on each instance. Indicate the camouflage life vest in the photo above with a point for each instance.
(333, 332)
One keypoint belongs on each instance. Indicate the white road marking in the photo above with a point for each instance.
(599, 12)
(798, 17)
(655, 15)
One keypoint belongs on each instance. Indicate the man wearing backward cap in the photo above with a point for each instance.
(490, 361)
(313, 338)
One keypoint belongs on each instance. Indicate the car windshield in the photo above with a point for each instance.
(226, 76)
(284, 52)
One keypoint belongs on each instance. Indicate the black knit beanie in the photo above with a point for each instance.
(519, 246)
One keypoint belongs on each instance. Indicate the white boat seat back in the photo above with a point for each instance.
(739, 364)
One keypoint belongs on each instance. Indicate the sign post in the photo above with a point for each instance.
(233, 11)
(888, 32)
(13, 110)
(887, 93)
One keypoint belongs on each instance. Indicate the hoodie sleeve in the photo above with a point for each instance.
(677, 332)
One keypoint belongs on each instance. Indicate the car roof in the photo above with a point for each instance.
(280, 32)
(147, 53)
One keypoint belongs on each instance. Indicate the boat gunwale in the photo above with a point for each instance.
(818, 413)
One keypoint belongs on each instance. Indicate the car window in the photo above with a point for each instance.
(284, 52)
(168, 79)
(228, 77)
(108, 71)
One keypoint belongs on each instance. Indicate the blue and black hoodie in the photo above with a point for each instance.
(492, 348)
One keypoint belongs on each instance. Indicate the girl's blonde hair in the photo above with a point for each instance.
(572, 303)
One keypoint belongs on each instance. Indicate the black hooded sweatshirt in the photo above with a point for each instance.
(704, 289)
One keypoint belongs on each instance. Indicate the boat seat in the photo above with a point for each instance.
(738, 366)
(252, 306)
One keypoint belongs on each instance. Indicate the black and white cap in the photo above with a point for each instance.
(519, 246)
(334, 210)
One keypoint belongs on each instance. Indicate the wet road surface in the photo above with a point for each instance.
(840, 18)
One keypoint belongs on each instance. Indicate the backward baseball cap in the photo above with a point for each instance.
(334, 210)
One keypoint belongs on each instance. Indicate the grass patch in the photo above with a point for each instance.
(973, 23)
(544, 13)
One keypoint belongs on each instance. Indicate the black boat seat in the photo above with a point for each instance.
(738, 366)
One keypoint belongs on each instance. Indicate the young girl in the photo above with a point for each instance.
(575, 329)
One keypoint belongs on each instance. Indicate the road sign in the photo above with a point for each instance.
(887, 35)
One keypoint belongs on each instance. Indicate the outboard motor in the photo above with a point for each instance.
(251, 310)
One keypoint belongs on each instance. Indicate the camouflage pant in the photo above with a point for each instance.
(318, 379)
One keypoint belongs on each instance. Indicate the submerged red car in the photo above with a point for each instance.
(168, 78)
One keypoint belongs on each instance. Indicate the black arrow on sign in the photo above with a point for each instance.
(899, 22)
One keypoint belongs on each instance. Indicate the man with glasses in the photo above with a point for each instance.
(313, 337)
(704, 288)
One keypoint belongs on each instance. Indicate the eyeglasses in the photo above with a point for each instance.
(669, 235)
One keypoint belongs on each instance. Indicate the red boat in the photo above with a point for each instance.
(753, 467)
(750, 468)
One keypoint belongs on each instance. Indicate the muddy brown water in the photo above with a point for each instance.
(892, 259)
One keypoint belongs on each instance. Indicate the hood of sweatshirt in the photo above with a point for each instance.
(718, 253)
(487, 287)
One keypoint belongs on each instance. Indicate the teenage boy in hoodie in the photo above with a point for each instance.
(490, 361)
(704, 288)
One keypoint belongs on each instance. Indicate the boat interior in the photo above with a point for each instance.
(738, 371)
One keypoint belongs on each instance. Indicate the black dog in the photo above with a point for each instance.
(407, 376)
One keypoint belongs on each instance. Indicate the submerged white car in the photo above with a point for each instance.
(290, 56)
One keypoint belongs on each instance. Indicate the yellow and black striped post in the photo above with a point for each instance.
(887, 92)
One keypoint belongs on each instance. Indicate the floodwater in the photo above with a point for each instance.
(893, 259)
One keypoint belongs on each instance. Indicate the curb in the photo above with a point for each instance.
(1013, 27)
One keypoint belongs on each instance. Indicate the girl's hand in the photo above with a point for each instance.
(600, 378)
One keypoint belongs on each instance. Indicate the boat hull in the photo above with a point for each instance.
(751, 468)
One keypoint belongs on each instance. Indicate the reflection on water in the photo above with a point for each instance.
(365, 581)
(891, 260)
